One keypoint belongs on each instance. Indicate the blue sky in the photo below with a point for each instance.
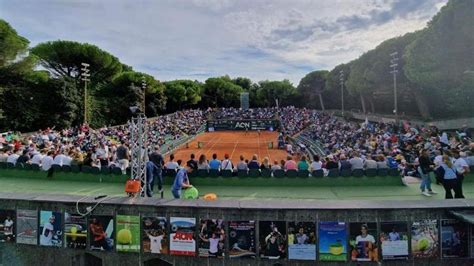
(197, 39)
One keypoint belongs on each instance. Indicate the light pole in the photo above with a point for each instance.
(394, 65)
(143, 104)
(85, 77)
(341, 80)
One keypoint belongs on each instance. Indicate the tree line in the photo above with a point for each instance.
(41, 86)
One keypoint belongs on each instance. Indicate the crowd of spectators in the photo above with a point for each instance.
(103, 147)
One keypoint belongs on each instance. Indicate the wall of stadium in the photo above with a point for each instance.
(343, 212)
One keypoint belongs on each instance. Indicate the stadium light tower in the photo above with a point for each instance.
(394, 65)
(341, 80)
(143, 103)
(85, 77)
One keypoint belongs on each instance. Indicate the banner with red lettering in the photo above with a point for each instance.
(182, 237)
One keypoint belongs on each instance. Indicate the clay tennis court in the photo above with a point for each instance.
(234, 144)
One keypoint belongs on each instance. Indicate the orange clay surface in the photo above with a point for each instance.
(234, 144)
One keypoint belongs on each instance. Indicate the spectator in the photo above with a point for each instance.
(381, 162)
(24, 158)
(171, 164)
(37, 158)
(461, 166)
(13, 157)
(316, 164)
(158, 163)
(192, 162)
(331, 163)
(3, 156)
(344, 164)
(47, 162)
(202, 163)
(265, 164)
(242, 165)
(290, 164)
(253, 164)
(424, 169)
(214, 163)
(356, 162)
(303, 164)
(226, 164)
(181, 181)
(123, 156)
(450, 180)
(276, 166)
(370, 163)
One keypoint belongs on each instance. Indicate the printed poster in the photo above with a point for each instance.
(101, 233)
(50, 229)
(128, 233)
(27, 227)
(7, 226)
(302, 241)
(211, 238)
(182, 241)
(75, 231)
(154, 235)
(394, 238)
(273, 239)
(332, 241)
(242, 239)
(363, 243)
(454, 239)
(424, 239)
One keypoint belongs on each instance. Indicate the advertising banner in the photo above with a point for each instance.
(182, 240)
(363, 241)
(454, 239)
(128, 233)
(7, 226)
(75, 231)
(302, 241)
(242, 239)
(424, 239)
(273, 239)
(101, 233)
(332, 241)
(394, 238)
(27, 227)
(211, 238)
(154, 235)
(50, 229)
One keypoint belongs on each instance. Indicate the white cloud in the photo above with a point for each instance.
(261, 39)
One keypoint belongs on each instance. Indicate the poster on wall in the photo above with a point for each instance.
(128, 233)
(50, 229)
(75, 231)
(273, 239)
(101, 232)
(211, 238)
(155, 230)
(27, 227)
(424, 239)
(302, 241)
(242, 239)
(363, 243)
(454, 239)
(182, 240)
(7, 226)
(332, 241)
(394, 238)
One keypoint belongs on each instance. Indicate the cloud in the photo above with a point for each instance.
(260, 39)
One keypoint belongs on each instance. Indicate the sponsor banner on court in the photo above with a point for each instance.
(216, 125)
(75, 231)
(50, 229)
(425, 239)
(302, 241)
(211, 238)
(332, 241)
(394, 238)
(182, 240)
(8, 226)
(128, 233)
(272, 236)
(27, 227)
(454, 239)
(242, 239)
(154, 235)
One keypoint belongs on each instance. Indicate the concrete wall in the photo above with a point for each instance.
(347, 211)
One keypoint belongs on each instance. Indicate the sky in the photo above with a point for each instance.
(198, 39)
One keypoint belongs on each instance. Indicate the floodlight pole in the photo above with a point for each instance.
(341, 80)
(394, 65)
(85, 77)
(143, 103)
